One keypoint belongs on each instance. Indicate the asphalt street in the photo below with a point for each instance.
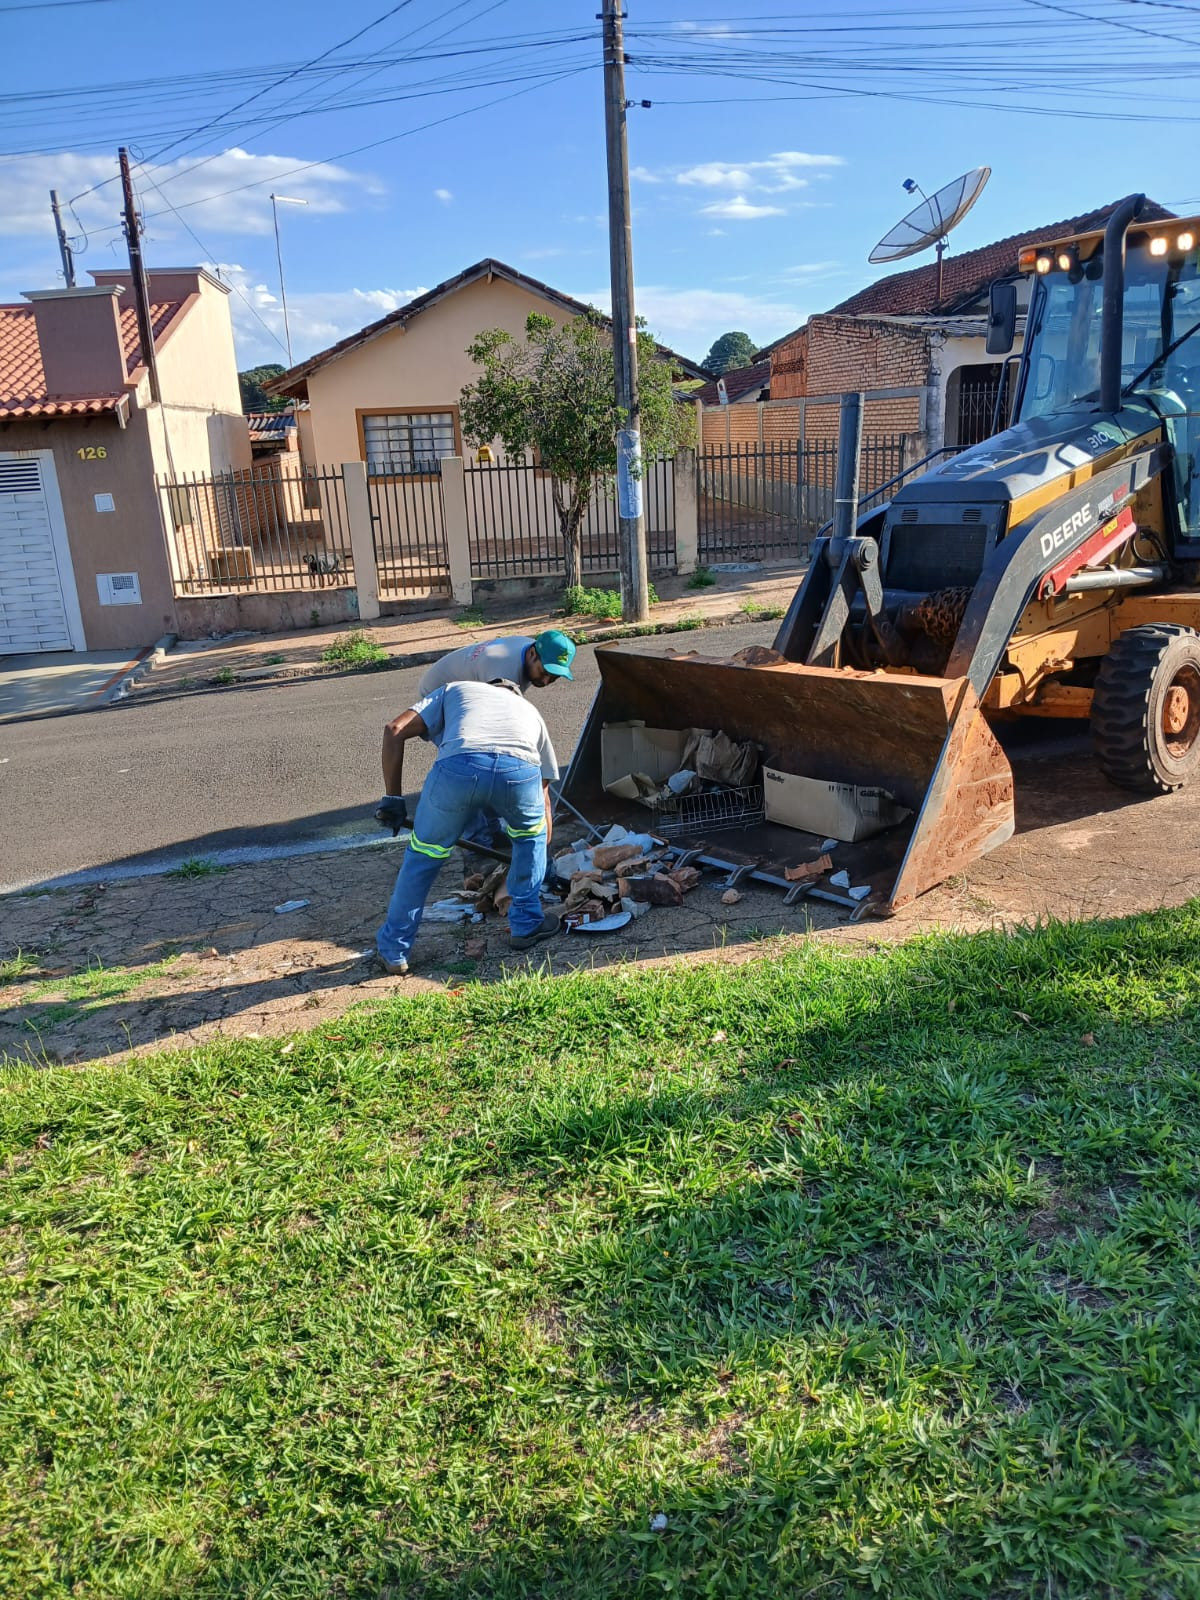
(253, 770)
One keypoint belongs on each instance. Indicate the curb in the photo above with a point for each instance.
(148, 659)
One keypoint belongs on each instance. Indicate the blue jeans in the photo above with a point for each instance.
(455, 791)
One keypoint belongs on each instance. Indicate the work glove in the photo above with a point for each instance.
(391, 812)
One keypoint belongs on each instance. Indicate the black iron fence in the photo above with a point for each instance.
(408, 527)
(513, 525)
(265, 529)
(764, 502)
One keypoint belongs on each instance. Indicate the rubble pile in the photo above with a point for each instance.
(610, 883)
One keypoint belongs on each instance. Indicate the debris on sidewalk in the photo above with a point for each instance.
(291, 905)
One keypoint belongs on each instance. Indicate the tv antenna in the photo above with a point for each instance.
(931, 221)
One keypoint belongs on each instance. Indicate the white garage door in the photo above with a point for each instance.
(35, 604)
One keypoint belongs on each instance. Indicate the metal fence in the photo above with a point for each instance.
(513, 530)
(764, 502)
(257, 530)
(408, 529)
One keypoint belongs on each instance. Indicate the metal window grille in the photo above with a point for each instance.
(402, 443)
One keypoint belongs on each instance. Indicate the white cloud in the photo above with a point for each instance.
(644, 175)
(739, 209)
(24, 182)
(443, 195)
(810, 269)
(690, 319)
(316, 319)
(777, 174)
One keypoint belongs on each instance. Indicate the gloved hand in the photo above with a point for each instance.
(391, 812)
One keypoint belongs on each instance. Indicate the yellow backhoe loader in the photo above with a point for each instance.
(1051, 571)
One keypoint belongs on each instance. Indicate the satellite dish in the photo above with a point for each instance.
(932, 220)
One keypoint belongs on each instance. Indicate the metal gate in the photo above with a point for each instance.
(408, 527)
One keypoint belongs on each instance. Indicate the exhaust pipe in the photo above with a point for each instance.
(1112, 314)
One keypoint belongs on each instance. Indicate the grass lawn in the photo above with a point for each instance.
(870, 1273)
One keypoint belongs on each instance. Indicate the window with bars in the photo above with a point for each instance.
(400, 443)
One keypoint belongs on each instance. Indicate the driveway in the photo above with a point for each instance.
(55, 681)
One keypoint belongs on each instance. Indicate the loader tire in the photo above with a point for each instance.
(1146, 710)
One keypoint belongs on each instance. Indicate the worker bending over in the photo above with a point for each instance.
(517, 658)
(494, 754)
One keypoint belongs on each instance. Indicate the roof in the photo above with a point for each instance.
(294, 381)
(965, 276)
(269, 427)
(23, 390)
(740, 383)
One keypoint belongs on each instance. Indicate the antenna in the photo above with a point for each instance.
(932, 220)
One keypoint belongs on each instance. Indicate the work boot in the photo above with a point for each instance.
(526, 941)
(394, 969)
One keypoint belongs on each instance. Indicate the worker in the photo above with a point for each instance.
(494, 752)
(518, 658)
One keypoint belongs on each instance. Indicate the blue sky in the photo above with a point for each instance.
(767, 167)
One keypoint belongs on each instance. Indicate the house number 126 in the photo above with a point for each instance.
(92, 452)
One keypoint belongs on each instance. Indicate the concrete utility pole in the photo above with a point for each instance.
(141, 294)
(64, 249)
(635, 579)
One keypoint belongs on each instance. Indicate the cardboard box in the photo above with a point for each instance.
(629, 747)
(833, 810)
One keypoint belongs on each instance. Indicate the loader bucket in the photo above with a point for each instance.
(922, 739)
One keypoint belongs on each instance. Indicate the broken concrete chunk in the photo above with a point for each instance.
(686, 877)
(636, 908)
(730, 897)
(808, 869)
(656, 891)
(607, 856)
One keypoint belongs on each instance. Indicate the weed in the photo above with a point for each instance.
(605, 604)
(314, 617)
(354, 650)
(771, 613)
(752, 609)
(225, 676)
(195, 867)
(465, 968)
(686, 624)
(16, 966)
(275, 660)
(472, 617)
(702, 578)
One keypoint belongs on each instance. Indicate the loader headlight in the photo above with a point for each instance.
(1044, 263)
(1065, 261)
(1185, 241)
(1158, 247)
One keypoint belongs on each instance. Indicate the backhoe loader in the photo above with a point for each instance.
(1051, 571)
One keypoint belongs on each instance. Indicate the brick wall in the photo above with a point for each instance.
(834, 355)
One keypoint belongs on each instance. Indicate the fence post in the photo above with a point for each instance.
(362, 539)
(458, 540)
(686, 467)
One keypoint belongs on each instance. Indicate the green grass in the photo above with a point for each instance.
(195, 867)
(702, 578)
(579, 601)
(15, 967)
(60, 1000)
(225, 676)
(275, 660)
(354, 650)
(874, 1273)
(471, 617)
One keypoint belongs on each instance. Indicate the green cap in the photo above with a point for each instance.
(555, 652)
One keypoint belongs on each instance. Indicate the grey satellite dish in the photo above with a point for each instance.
(932, 220)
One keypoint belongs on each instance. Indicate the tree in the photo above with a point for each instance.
(253, 396)
(730, 350)
(554, 393)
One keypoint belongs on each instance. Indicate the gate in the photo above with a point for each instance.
(408, 528)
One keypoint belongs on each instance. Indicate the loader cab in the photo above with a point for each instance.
(1159, 334)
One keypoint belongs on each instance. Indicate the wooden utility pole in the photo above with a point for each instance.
(635, 579)
(64, 249)
(141, 294)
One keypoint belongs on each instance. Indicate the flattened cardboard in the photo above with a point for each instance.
(629, 747)
(838, 810)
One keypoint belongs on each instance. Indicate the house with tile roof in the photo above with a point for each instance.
(388, 394)
(920, 358)
(84, 562)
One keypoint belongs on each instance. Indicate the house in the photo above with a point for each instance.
(388, 395)
(272, 433)
(83, 559)
(741, 386)
(920, 358)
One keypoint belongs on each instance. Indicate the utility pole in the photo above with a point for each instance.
(635, 580)
(64, 249)
(141, 294)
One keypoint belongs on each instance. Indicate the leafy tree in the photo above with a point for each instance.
(554, 393)
(253, 396)
(730, 350)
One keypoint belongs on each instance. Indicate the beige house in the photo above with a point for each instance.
(388, 395)
(83, 559)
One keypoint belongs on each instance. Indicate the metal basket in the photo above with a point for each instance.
(719, 808)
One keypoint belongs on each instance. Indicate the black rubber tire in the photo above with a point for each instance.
(1146, 710)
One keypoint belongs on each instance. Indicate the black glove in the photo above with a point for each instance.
(391, 812)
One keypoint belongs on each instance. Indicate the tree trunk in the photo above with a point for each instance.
(571, 512)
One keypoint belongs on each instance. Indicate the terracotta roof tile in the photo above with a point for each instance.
(23, 381)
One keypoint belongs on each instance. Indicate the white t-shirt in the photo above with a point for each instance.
(480, 663)
(479, 718)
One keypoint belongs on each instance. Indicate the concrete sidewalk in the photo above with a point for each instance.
(412, 640)
(51, 682)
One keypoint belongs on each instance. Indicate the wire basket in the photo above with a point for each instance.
(719, 808)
